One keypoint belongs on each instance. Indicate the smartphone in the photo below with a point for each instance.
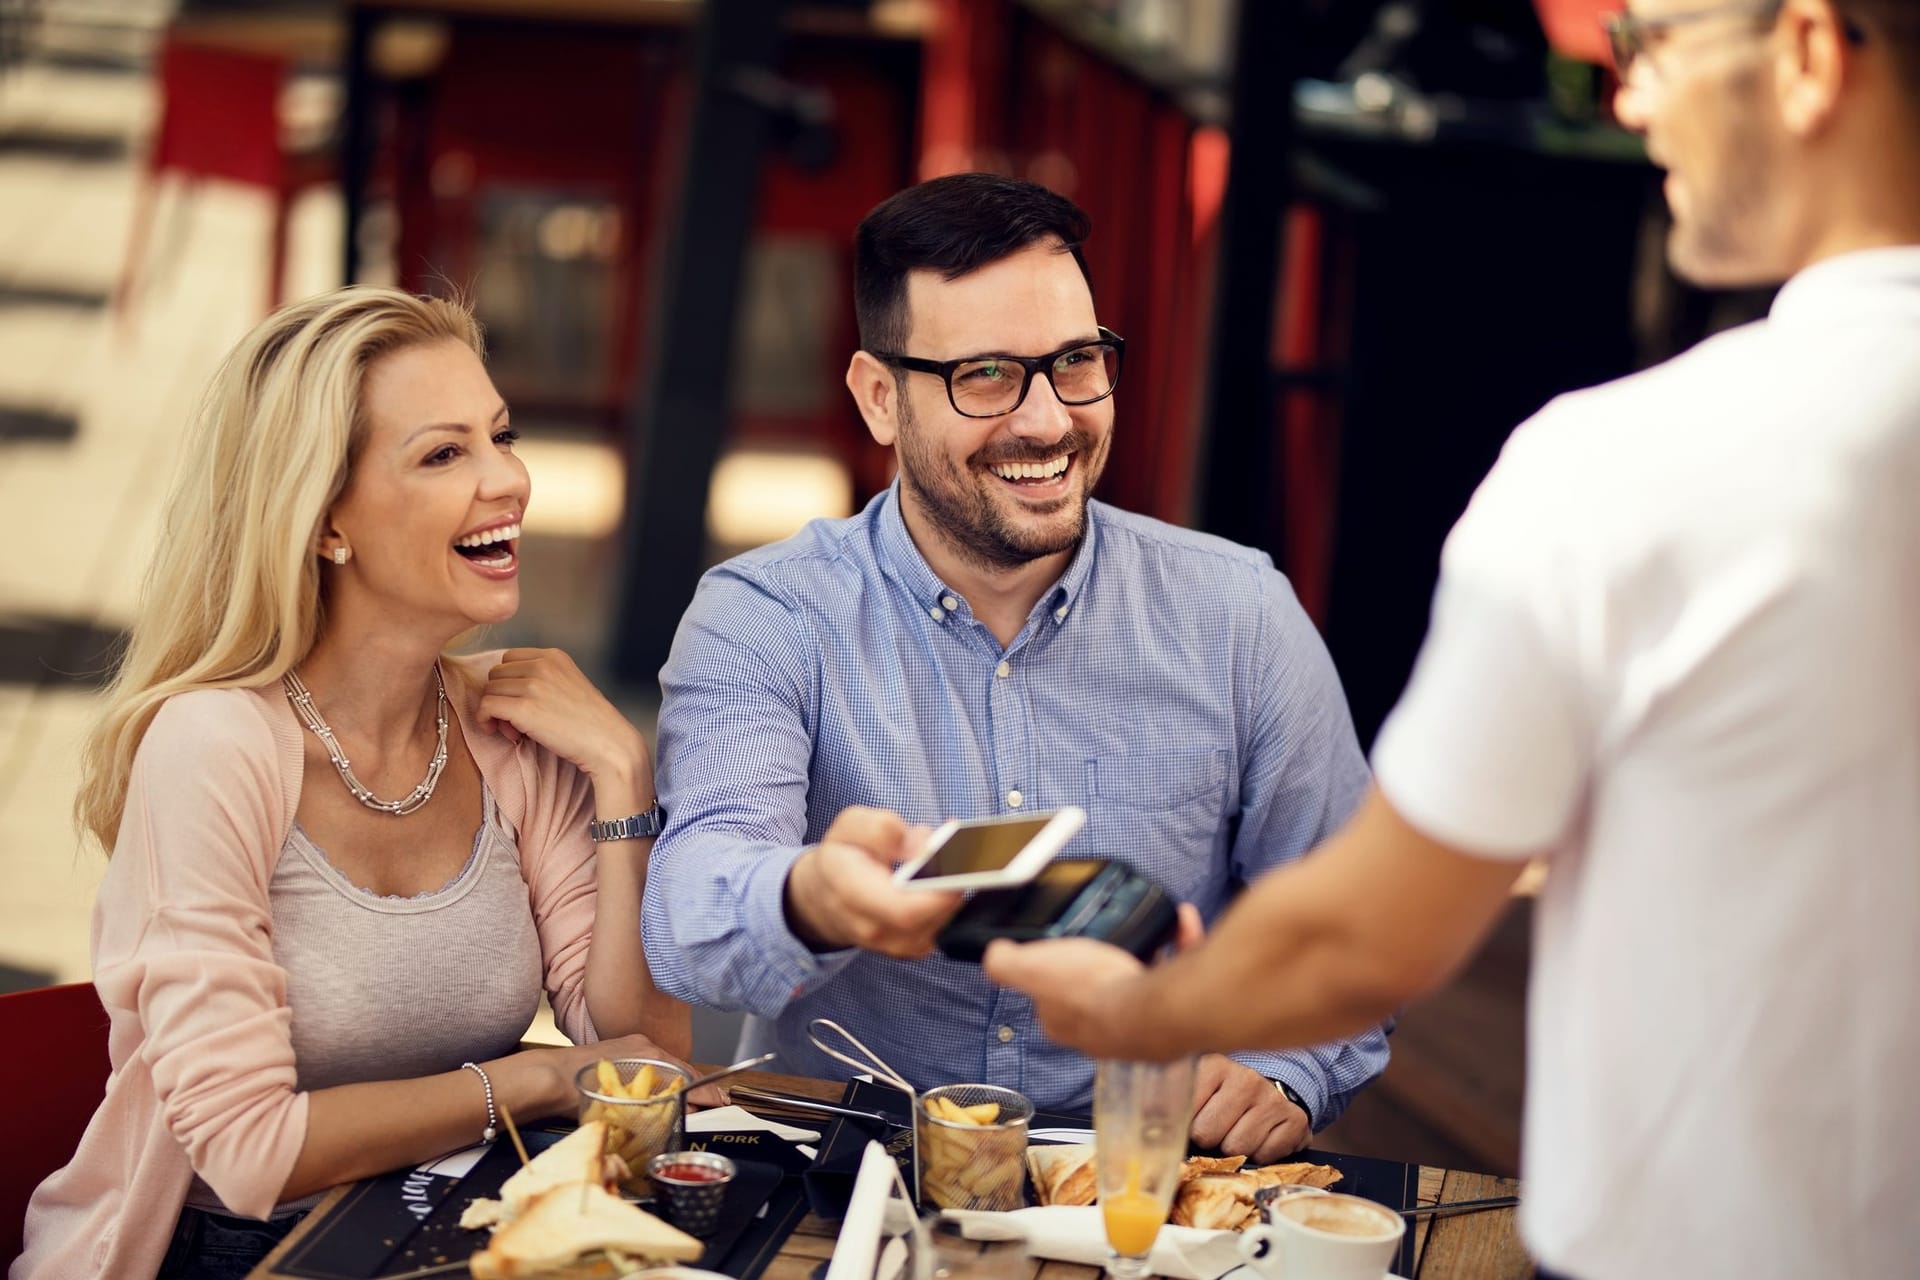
(990, 853)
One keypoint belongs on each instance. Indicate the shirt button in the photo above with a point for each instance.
(1015, 799)
(1005, 1034)
(935, 613)
(949, 602)
(1060, 614)
(1003, 670)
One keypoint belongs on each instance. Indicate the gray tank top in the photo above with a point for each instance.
(388, 988)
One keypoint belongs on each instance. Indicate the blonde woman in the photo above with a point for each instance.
(343, 866)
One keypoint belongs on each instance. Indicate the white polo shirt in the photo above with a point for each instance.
(1676, 647)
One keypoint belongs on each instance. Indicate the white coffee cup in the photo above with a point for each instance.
(1330, 1237)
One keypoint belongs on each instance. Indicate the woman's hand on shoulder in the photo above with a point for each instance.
(542, 694)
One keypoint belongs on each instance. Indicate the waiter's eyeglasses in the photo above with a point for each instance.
(1631, 36)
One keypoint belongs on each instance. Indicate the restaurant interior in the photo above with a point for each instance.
(1350, 243)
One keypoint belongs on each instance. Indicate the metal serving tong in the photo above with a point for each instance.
(872, 1062)
(786, 1101)
(745, 1064)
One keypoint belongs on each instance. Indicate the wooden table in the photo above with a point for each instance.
(1474, 1246)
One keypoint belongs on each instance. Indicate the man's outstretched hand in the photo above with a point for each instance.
(841, 892)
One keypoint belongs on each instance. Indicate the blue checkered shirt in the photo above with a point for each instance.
(1169, 683)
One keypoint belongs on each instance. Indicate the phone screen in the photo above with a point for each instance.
(989, 846)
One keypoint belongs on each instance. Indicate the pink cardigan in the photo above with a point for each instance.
(203, 1072)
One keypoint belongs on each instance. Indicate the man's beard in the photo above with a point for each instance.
(1723, 241)
(968, 520)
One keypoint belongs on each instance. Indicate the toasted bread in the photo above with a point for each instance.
(1196, 1166)
(1063, 1174)
(575, 1158)
(564, 1223)
(1214, 1202)
(1299, 1174)
(1215, 1192)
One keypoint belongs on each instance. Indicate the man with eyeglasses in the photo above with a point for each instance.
(984, 639)
(1675, 652)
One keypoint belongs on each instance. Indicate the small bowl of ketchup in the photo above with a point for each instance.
(694, 1186)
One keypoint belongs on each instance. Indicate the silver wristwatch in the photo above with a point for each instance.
(635, 827)
(1292, 1095)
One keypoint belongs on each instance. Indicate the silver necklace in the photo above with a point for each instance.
(303, 707)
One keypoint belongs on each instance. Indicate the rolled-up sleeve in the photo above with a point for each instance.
(562, 884)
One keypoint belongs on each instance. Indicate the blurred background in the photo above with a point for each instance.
(1351, 244)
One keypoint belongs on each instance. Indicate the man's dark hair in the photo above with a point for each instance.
(1896, 24)
(954, 225)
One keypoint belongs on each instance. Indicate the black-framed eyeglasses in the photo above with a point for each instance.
(989, 386)
(1631, 35)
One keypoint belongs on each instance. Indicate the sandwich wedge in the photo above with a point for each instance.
(1063, 1174)
(563, 1224)
(1215, 1202)
(579, 1157)
(1214, 1192)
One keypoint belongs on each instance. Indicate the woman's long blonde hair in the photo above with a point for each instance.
(233, 598)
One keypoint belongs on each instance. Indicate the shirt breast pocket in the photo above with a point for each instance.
(1161, 811)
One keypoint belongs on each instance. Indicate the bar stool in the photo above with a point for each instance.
(220, 118)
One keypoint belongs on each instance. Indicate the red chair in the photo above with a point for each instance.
(220, 118)
(52, 1077)
(1574, 28)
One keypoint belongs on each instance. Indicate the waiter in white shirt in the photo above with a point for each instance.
(1675, 651)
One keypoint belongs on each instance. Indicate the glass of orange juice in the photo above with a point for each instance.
(1141, 1111)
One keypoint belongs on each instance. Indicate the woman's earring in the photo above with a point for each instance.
(339, 555)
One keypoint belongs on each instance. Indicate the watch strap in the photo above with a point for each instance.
(637, 826)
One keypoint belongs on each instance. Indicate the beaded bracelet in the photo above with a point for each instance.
(491, 1131)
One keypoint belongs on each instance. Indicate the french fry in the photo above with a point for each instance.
(639, 1114)
(643, 1083)
(952, 1112)
(966, 1161)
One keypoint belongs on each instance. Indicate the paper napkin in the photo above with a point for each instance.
(740, 1120)
(1074, 1233)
